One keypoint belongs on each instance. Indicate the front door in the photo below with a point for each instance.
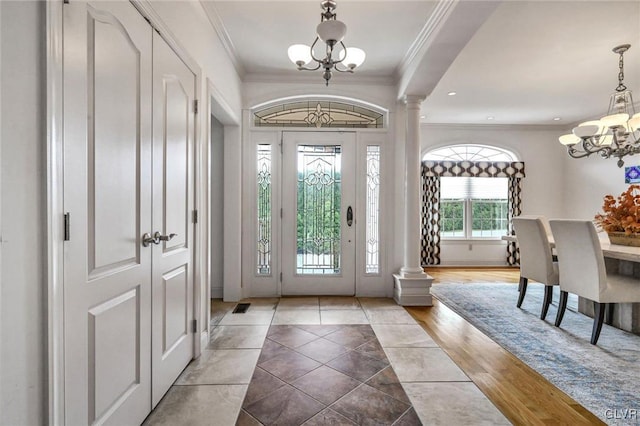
(318, 216)
(172, 276)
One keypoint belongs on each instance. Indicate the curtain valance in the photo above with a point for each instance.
(514, 169)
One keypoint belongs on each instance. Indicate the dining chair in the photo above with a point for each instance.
(582, 272)
(536, 258)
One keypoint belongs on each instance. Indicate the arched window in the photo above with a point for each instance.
(473, 207)
(469, 152)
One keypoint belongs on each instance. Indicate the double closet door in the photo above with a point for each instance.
(128, 192)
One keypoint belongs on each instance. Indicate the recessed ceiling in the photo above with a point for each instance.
(530, 62)
(262, 31)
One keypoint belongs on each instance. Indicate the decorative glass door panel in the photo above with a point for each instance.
(318, 212)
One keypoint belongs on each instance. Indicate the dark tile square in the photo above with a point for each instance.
(319, 330)
(271, 349)
(373, 348)
(410, 418)
(322, 350)
(286, 406)
(387, 382)
(291, 337)
(329, 417)
(352, 336)
(326, 384)
(358, 366)
(245, 419)
(261, 385)
(369, 406)
(289, 366)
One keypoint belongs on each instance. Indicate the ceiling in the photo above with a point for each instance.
(529, 62)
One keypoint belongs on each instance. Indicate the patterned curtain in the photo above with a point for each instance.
(515, 209)
(430, 242)
(431, 173)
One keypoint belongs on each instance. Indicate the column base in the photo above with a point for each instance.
(412, 291)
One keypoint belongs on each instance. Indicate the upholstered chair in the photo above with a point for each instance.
(582, 271)
(536, 259)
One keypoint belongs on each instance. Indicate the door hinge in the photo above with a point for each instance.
(195, 106)
(67, 226)
(194, 326)
(280, 276)
(194, 216)
(280, 148)
(281, 213)
(65, 1)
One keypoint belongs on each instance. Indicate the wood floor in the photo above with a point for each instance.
(523, 395)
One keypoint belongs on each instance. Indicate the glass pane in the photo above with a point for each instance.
(263, 245)
(373, 210)
(452, 218)
(318, 213)
(489, 218)
(318, 114)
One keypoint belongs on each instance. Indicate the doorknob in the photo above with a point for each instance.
(159, 237)
(349, 216)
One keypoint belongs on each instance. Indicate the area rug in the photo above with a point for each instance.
(605, 378)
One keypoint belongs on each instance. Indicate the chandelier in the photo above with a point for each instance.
(331, 32)
(615, 135)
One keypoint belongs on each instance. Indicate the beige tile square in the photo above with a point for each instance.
(343, 317)
(338, 302)
(378, 303)
(221, 367)
(424, 365)
(238, 337)
(299, 303)
(199, 405)
(389, 316)
(251, 317)
(402, 336)
(453, 404)
(297, 317)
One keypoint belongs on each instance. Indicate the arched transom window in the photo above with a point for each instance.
(318, 113)
(469, 153)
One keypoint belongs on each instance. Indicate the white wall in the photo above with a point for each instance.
(217, 197)
(588, 180)
(542, 189)
(23, 290)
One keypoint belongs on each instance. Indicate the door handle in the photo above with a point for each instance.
(148, 239)
(159, 237)
(349, 216)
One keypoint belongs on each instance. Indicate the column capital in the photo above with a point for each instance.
(413, 100)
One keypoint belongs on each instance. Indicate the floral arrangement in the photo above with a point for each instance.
(621, 214)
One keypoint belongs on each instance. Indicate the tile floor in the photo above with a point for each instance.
(322, 361)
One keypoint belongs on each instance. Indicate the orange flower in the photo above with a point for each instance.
(621, 214)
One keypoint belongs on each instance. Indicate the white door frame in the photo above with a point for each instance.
(55, 213)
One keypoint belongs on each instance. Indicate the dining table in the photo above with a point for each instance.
(619, 259)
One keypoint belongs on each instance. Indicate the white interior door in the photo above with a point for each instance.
(107, 192)
(318, 218)
(173, 136)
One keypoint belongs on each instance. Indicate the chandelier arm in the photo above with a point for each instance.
(303, 68)
(311, 49)
(344, 49)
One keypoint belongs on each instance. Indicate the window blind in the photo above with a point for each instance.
(484, 188)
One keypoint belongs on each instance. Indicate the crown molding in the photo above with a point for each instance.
(216, 22)
(438, 16)
(471, 126)
(316, 78)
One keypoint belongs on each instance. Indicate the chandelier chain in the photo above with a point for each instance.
(621, 87)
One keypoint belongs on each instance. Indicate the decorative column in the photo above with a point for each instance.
(412, 284)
